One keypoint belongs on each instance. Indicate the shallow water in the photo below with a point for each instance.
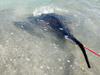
(39, 51)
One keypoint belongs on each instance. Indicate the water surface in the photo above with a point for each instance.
(42, 52)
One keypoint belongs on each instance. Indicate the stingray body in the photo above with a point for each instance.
(55, 23)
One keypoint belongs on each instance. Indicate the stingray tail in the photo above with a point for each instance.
(85, 55)
(83, 50)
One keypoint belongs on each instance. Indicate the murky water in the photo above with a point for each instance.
(39, 51)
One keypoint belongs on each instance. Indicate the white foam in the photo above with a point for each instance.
(43, 10)
(48, 9)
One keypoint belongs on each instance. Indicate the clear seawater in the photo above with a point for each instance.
(22, 53)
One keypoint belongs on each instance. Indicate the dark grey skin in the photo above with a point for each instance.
(54, 21)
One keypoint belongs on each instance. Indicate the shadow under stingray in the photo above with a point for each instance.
(54, 23)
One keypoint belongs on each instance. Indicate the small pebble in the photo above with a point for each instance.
(61, 68)
(27, 59)
(41, 67)
(48, 67)
(68, 61)
(59, 59)
(12, 33)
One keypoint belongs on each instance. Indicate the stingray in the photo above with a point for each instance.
(56, 23)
